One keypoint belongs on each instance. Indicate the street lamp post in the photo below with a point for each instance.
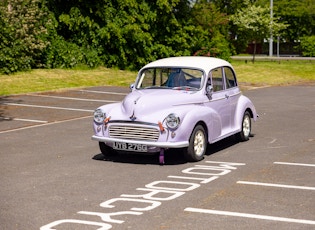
(271, 38)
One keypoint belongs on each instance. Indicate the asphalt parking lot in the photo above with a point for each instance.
(54, 177)
(40, 108)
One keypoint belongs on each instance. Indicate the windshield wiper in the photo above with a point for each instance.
(155, 87)
(184, 88)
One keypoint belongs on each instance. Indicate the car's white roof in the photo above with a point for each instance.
(198, 62)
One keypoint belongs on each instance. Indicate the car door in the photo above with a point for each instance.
(219, 101)
(232, 93)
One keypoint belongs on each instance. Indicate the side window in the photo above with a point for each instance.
(229, 78)
(217, 79)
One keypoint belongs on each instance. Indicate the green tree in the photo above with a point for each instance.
(213, 25)
(299, 15)
(173, 29)
(227, 7)
(11, 49)
(255, 24)
(120, 34)
(25, 30)
(308, 46)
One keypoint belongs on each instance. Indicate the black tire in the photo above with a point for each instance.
(105, 149)
(246, 127)
(197, 144)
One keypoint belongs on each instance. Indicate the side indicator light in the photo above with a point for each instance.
(161, 126)
(106, 120)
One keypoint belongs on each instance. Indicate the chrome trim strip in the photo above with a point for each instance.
(217, 99)
(133, 122)
(233, 95)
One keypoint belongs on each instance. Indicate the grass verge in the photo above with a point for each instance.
(59, 79)
(272, 73)
(249, 75)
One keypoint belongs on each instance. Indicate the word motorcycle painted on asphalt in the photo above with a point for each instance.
(152, 195)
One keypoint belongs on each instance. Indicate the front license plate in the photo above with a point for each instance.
(130, 147)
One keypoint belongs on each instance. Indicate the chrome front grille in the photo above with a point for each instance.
(134, 132)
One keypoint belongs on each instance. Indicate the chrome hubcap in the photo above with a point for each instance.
(199, 143)
(246, 126)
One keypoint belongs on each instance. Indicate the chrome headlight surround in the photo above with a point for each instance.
(99, 116)
(172, 121)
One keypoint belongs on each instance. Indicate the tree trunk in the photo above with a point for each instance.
(254, 54)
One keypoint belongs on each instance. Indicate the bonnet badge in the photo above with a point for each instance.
(133, 117)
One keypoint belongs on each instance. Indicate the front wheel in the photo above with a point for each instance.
(197, 144)
(246, 127)
(105, 149)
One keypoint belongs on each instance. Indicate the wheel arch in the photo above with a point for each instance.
(206, 117)
(197, 143)
(250, 112)
(205, 127)
(244, 104)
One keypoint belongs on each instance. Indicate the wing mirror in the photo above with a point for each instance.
(209, 91)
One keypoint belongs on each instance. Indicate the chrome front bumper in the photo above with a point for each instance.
(165, 145)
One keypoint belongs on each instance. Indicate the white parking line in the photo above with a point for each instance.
(103, 92)
(29, 120)
(52, 123)
(294, 164)
(276, 185)
(247, 215)
(22, 119)
(70, 98)
(49, 107)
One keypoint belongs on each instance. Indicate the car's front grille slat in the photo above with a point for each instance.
(134, 132)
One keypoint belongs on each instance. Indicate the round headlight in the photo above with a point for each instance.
(172, 121)
(99, 116)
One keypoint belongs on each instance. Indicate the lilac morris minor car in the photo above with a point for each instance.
(177, 102)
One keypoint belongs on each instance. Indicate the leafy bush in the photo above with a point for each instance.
(92, 58)
(12, 50)
(12, 56)
(63, 54)
(308, 46)
(24, 34)
(217, 47)
(12, 59)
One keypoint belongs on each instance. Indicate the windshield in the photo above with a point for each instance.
(174, 78)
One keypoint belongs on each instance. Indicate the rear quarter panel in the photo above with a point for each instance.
(243, 104)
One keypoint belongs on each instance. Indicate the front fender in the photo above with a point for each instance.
(195, 115)
(108, 107)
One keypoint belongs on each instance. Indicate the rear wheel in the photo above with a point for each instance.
(197, 144)
(105, 149)
(246, 127)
